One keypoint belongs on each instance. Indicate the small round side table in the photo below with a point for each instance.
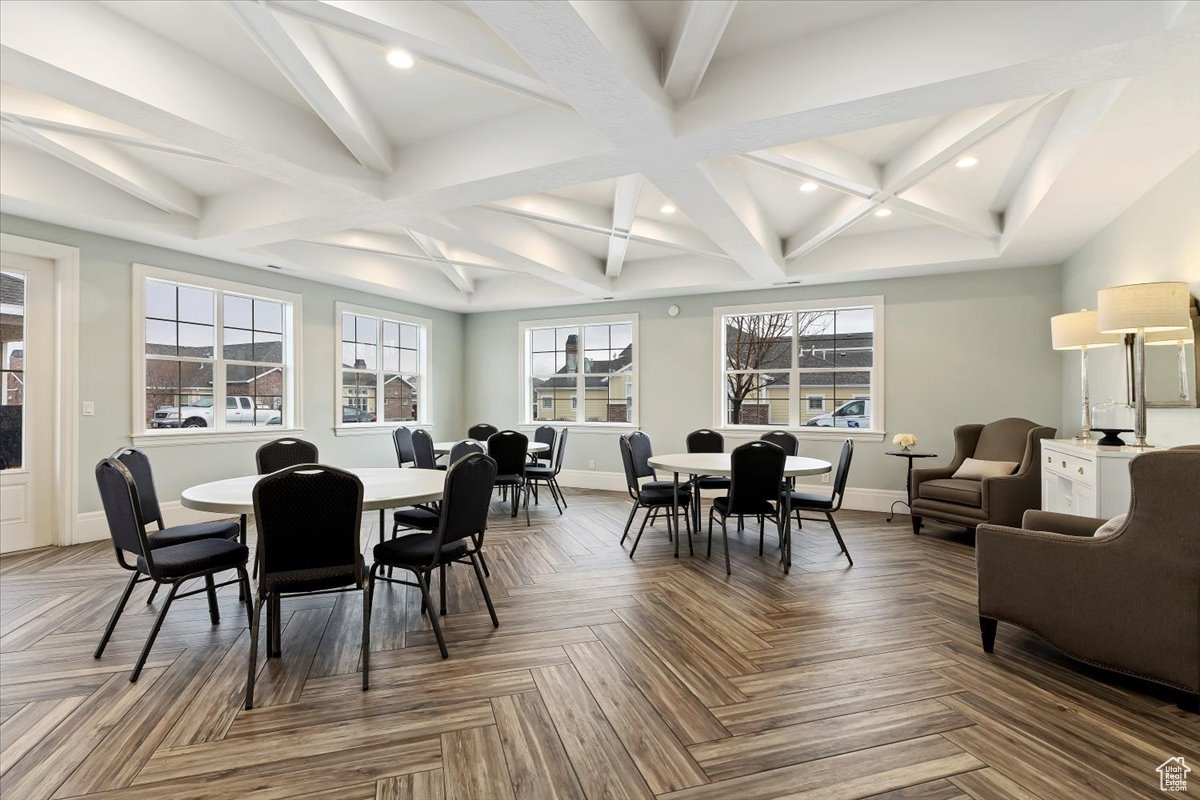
(910, 455)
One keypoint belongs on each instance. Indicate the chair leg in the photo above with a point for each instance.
(112, 622)
(158, 621)
(382, 524)
(561, 496)
(711, 512)
(762, 535)
(368, 602)
(244, 591)
(838, 534)
(916, 523)
(479, 550)
(252, 661)
(987, 630)
(638, 538)
(210, 589)
(153, 592)
(629, 522)
(487, 597)
(276, 627)
(1190, 702)
(526, 504)
(423, 584)
(442, 587)
(687, 523)
(725, 539)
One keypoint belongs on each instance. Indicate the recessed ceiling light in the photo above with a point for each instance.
(966, 162)
(400, 59)
(883, 212)
(667, 208)
(808, 186)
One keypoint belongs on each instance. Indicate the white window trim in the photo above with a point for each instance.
(524, 392)
(425, 391)
(218, 434)
(878, 430)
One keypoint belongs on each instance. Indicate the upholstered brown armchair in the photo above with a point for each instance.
(937, 494)
(1126, 600)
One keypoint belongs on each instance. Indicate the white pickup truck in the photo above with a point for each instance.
(239, 412)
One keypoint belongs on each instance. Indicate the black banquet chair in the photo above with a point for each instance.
(138, 464)
(465, 448)
(753, 490)
(548, 474)
(482, 431)
(170, 563)
(402, 440)
(308, 519)
(544, 434)
(827, 505)
(653, 495)
(707, 441)
(788, 441)
(422, 443)
(508, 449)
(456, 540)
(283, 453)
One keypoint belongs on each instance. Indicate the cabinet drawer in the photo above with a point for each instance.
(1080, 470)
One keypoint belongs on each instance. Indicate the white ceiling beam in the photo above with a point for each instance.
(976, 222)
(827, 223)
(625, 199)
(694, 40)
(823, 163)
(434, 34)
(302, 58)
(453, 272)
(137, 142)
(107, 65)
(1083, 111)
(114, 167)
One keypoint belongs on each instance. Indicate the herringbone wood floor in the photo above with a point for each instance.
(608, 678)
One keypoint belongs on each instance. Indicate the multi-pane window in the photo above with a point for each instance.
(383, 367)
(580, 370)
(801, 366)
(215, 357)
(12, 370)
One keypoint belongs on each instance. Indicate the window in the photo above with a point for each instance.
(383, 369)
(781, 363)
(12, 370)
(580, 371)
(208, 344)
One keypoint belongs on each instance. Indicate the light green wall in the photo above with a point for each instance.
(969, 347)
(1155, 239)
(105, 375)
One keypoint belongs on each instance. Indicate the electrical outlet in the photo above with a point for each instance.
(825, 477)
(591, 463)
(89, 408)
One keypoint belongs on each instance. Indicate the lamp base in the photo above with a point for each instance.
(1112, 437)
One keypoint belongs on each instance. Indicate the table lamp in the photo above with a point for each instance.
(1078, 331)
(1141, 308)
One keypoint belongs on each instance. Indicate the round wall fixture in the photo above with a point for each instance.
(672, 310)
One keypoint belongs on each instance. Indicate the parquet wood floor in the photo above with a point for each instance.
(608, 678)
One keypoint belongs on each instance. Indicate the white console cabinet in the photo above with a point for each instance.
(1083, 479)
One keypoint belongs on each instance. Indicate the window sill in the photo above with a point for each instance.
(176, 438)
(805, 433)
(373, 428)
(582, 427)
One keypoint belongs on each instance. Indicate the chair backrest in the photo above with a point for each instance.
(631, 478)
(465, 448)
(122, 510)
(705, 441)
(545, 434)
(422, 443)
(509, 449)
(562, 450)
(482, 431)
(1004, 440)
(286, 452)
(642, 451)
(138, 464)
(466, 499)
(789, 443)
(308, 518)
(757, 472)
(843, 473)
(402, 439)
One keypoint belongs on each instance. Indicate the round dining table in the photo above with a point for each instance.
(721, 464)
(443, 448)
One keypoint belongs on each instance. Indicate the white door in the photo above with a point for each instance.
(26, 402)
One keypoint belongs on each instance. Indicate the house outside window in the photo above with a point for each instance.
(209, 345)
(383, 367)
(806, 365)
(580, 371)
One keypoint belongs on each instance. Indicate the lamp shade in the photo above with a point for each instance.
(1150, 307)
(1078, 329)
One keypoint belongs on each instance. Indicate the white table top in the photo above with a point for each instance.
(719, 464)
(383, 487)
(441, 448)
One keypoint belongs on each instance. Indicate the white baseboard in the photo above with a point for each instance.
(91, 526)
(856, 499)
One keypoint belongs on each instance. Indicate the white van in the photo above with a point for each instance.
(853, 414)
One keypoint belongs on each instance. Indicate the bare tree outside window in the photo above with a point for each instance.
(757, 348)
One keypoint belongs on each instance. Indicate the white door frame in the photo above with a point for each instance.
(66, 376)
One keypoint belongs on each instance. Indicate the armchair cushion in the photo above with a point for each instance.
(954, 490)
(976, 469)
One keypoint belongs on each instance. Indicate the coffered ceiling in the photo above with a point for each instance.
(545, 153)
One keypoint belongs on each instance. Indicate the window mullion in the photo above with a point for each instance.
(220, 415)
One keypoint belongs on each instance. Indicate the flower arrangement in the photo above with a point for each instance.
(905, 441)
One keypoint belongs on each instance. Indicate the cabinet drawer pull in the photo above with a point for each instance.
(1081, 470)
(1064, 466)
(1047, 459)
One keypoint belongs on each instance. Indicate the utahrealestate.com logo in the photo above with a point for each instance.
(1172, 775)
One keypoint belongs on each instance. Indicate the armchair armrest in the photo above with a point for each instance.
(1007, 497)
(965, 439)
(1053, 522)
